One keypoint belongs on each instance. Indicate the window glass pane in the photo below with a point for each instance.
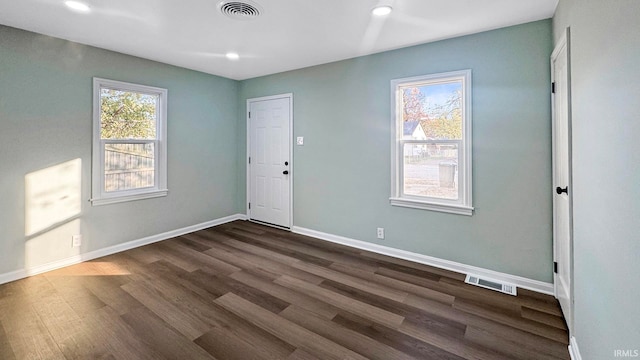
(431, 157)
(432, 111)
(128, 166)
(127, 114)
(431, 169)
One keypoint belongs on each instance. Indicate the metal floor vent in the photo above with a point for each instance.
(240, 10)
(491, 284)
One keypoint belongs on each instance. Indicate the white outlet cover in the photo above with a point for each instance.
(300, 140)
(76, 240)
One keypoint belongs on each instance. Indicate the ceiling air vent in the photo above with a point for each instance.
(240, 10)
(491, 284)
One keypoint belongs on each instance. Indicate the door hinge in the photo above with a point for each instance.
(249, 159)
(553, 87)
(555, 267)
(249, 114)
(249, 206)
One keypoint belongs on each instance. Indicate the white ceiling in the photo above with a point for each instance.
(290, 34)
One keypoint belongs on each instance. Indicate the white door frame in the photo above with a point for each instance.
(291, 162)
(563, 43)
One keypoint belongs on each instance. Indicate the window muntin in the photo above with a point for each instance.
(129, 142)
(431, 144)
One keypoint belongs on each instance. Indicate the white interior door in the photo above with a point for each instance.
(270, 168)
(562, 224)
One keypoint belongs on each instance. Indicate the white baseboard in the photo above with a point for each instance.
(530, 284)
(574, 352)
(20, 274)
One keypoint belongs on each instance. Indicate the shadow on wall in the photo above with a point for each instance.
(52, 213)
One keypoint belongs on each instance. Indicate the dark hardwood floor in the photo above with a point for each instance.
(245, 291)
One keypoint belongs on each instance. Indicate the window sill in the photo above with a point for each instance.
(131, 197)
(423, 205)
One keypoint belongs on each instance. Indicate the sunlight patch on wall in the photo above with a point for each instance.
(52, 196)
(51, 245)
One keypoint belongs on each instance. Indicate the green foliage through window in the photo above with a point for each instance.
(127, 115)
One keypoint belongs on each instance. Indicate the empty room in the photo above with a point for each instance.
(298, 179)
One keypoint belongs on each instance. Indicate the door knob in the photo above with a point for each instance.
(286, 172)
(560, 190)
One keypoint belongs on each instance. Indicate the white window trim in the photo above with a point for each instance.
(462, 206)
(99, 196)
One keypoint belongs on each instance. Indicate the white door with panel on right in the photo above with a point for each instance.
(269, 171)
(562, 234)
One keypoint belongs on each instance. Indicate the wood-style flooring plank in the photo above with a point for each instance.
(181, 256)
(163, 338)
(358, 283)
(527, 325)
(225, 345)
(68, 330)
(107, 327)
(239, 331)
(301, 355)
(187, 324)
(292, 297)
(75, 294)
(248, 260)
(286, 330)
(219, 286)
(6, 352)
(407, 344)
(458, 289)
(487, 339)
(462, 348)
(432, 322)
(343, 302)
(283, 247)
(246, 241)
(544, 318)
(220, 266)
(396, 284)
(146, 254)
(401, 265)
(540, 302)
(27, 334)
(107, 289)
(498, 330)
(348, 338)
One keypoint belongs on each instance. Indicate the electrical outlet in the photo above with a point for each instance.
(76, 240)
(300, 140)
(380, 233)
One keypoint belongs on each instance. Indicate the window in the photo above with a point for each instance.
(129, 142)
(431, 142)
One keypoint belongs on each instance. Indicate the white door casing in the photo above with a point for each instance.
(269, 170)
(562, 179)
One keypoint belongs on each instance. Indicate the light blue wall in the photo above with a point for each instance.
(342, 173)
(46, 119)
(605, 52)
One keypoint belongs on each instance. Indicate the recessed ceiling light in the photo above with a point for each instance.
(77, 6)
(381, 10)
(232, 56)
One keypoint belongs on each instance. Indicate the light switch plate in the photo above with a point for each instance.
(300, 140)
